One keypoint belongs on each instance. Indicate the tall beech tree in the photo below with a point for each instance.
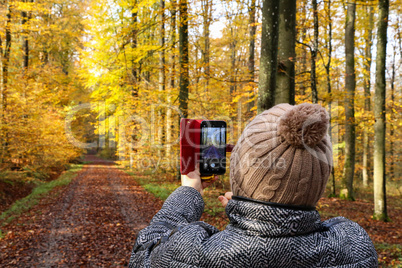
(285, 79)
(206, 6)
(135, 75)
(183, 58)
(350, 86)
(380, 200)
(269, 52)
(162, 61)
(392, 118)
(251, 50)
(169, 112)
(5, 51)
(302, 23)
(327, 65)
(367, 93)
(314, 53)
(26, 16)
(162, 76)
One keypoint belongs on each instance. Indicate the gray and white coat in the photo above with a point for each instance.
(258, 235)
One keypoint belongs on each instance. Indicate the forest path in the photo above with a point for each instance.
(91, 222)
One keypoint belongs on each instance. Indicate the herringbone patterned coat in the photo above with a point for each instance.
(258, 235)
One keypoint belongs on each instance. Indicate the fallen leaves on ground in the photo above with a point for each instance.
(92, 222)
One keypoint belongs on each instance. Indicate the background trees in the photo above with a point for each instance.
(39, 42)
(143, 64)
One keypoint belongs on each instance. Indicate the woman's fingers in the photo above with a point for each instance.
(228, 195)
(197, 169)
(206, 183)
(225, 199)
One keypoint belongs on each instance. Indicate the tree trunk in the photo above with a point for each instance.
(169, 119)
(25, 42)
(269, 51)
(162, 45)
(183, 58)
(5, 61)
(380, 200)
(232, 63)
(134, 73)
(350, 85)
(303, 60)
(367, 95)
(398, 146)
(314, 51)
(173, 44)
(197, 65)
(285, 77)
(161, 76)
(251, 48)
(183, 62)
(329, 89)
(206, 14)
(392, 119)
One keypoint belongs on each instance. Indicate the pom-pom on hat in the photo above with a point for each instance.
(284, 156)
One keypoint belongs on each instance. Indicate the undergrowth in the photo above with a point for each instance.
(154, 186)
(32, 199)
(394, 250)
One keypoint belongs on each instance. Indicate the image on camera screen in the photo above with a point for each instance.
(213, 144)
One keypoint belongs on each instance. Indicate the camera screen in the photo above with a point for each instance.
(213, 147)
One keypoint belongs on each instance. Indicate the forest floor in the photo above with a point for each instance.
(94, 220)
(91, 222)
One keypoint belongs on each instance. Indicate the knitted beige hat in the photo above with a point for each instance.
(284, 156)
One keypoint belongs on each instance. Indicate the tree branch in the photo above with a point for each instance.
(304, 44)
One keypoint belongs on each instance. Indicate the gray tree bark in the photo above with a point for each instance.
(285, 78)
(169, 116)
(162, 45)
(392, 119)
(162, 77)
(314, 51)
(183, 58)
(367, 95)
(206, 15)
(232, 47)
(303, 60)
(25, 41)
(269, 51)
(329, 88)
(380, 200)
(251, 54)
(135, 77)
(5, 61)
(350, 85)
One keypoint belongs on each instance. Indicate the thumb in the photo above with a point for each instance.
(224, 201)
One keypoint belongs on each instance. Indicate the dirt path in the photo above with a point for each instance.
(92, 222)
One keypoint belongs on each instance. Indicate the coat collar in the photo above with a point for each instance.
(268, 220)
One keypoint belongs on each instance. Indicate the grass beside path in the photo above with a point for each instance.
(24, 204)
(154, 185)
(214, 212)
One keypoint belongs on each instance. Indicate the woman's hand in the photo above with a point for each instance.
(193, 179)
(225, 199)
